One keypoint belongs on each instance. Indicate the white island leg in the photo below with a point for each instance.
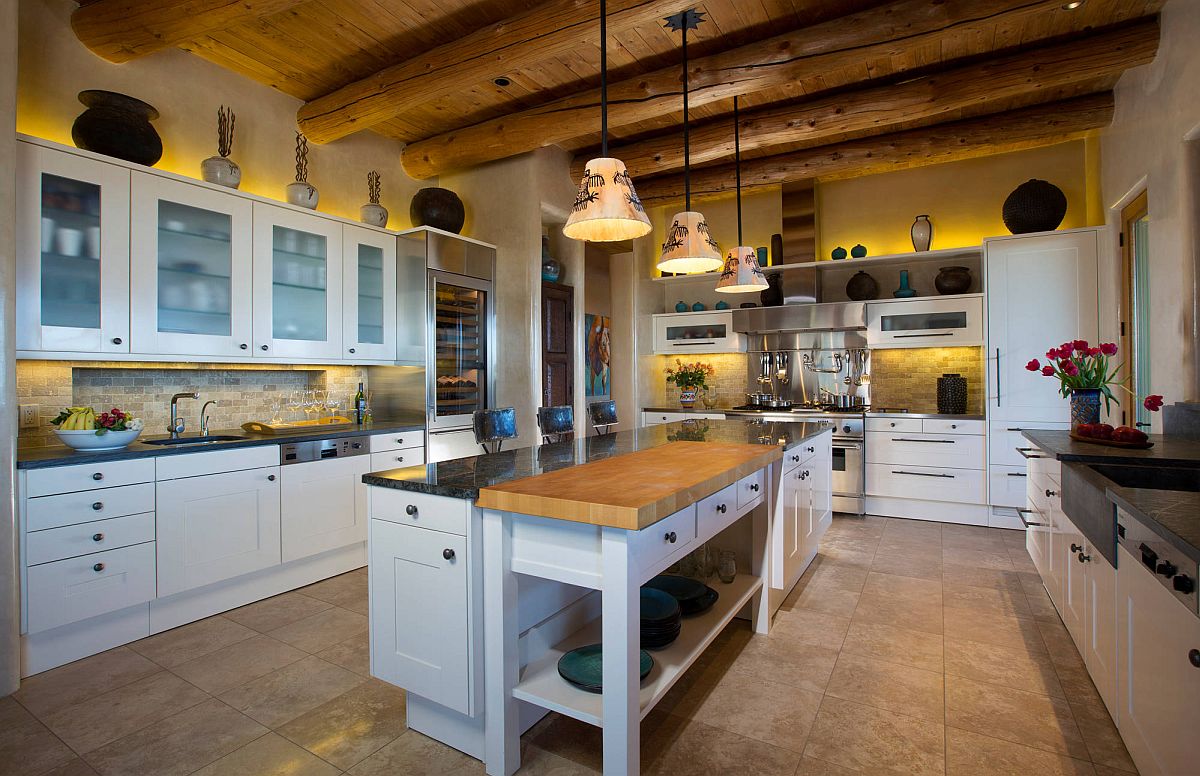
(502, 747)
(621, 637)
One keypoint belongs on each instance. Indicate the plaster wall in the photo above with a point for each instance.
(9, 606)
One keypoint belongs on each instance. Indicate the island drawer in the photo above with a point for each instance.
(655, 545)
(438, 513)
(68, 479)
(715, 512)
(401, 440)
(71, 590)
(70, 508)
(74, 540)
(750, 488)
(395, 459)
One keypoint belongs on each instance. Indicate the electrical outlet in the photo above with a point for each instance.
(29, 415)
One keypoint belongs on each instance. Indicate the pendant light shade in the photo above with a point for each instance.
(741, 272)
(606, 208)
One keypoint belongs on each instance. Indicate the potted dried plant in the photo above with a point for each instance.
(373, 213)
(221, 169)
(301, 192)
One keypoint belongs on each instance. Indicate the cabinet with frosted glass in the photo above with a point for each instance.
(368, 295)
(190, 263)
(72, 253)
(297, 284)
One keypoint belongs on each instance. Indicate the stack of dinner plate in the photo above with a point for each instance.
(660, 618)
(694, 597)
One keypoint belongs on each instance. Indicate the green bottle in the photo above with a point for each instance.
(360, 405)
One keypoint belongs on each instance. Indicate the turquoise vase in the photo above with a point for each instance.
(1085, 406)
(681, 307)
(904, 291)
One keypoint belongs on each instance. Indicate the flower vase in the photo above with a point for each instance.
(1085, 406)
(687, 397)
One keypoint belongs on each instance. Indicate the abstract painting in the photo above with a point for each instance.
(598, 341)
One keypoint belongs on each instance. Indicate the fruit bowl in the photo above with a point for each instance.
(90, 440)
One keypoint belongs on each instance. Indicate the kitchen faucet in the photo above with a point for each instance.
(204, 417)
(177, 425)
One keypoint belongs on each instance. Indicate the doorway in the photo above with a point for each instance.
(1135, 309)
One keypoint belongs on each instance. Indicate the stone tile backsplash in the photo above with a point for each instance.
(907, 377)
(729, 380)
(242, 392)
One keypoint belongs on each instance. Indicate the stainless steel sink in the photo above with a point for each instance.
(196, 440)
(1151, 477)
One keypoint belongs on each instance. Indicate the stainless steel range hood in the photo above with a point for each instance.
(832, 316)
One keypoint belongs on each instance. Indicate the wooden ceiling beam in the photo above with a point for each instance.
(542, 32)
(783, 61)
(1040, 125)
(121, 30)
(921, 101)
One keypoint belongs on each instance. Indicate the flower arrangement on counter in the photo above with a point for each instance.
(690, 378)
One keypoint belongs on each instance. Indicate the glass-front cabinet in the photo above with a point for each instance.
(190, 269)
(368, 294)
(458, 342)
(297, 284)
(73, 253)
(922, 323)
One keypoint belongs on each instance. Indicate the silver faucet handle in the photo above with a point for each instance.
(204, 417)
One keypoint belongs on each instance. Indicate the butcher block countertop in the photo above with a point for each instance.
(635, 490)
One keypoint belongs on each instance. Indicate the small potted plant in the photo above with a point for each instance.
(301, 192)
(373, 213)
(690, 378)
(221, 169)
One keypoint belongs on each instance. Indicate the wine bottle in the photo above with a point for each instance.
(360, 405)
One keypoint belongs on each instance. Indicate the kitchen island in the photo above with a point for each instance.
(486, 570)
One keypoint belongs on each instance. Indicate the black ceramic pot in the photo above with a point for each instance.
(1034, 206)
(117, 125)
(439, 208)
(952, 394)
(862, 287)
(772, 295)
(953, 280)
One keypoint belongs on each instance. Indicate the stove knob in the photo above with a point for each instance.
(1166, 568)
(1184, 584)
(845, 429)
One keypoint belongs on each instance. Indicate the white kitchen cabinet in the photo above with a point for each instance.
(72, 230)
(926, 323)
(657, 418)
(324, 505)
(190, 273)
(368, 294)
(821, 468)
(1100, 626)
(86, 586)
(696, 332)
(1074, 586)
(297, 284)
(216, 527)
(803, 509)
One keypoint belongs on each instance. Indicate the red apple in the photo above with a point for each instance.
(1127, 434)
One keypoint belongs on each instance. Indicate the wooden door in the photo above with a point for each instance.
(558, 346)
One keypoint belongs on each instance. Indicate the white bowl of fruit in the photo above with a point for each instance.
(82, 429)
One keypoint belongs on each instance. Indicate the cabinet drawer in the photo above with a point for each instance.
(715, 512)
(926, 482)
(70, 508)
(1009, 486)
(1043, 465)
(74, 540)
(953, 451)
(439, 513)
(654, 545)
(942, 426)
(907, 425)
(1006, 437)
(76, 589)
(750, 488)
(797, 455)
(401, 440)
(67, 479)
(655, 418)
(174, 467)
(394, 459)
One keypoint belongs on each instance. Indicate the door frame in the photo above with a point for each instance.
(1131, 212)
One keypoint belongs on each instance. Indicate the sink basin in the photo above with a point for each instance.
(1151, 477)
(196, 440)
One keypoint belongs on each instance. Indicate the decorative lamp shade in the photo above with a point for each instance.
(607, 209)
(741, 272)
(689, 247)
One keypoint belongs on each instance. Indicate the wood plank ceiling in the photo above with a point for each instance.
(797, 58)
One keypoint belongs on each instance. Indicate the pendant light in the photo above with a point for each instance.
(741, 272)
(688, 247)
(606, 208)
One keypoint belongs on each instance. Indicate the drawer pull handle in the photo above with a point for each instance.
(1017, 474)
(795, 459)
(1051, 493)
(411, 510)
(97, 537)
(97, 476)
(926, 441)
(448, 554)
(400, 458)
(97, 505)
(1194, 657)
(721, 508)
(243, 346)
(116, 340)
(1026, 452)
(351, 350)
(811, 449)
(1085, 558)
(400, 441)
(1076, 548)
(98, 567)
(670, 537)
(271, 477)
(953, 425)
(1021, 514)
(754, 487)
(923, 474)
(804, 475)
(262, 347)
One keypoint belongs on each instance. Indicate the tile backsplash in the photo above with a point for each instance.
(242, 393)
(729, 380)
(907, 377)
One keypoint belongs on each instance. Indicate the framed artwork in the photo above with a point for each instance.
(598, 341)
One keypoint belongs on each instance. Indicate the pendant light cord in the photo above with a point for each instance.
(603, 78)
(687, 151)
(737, 166)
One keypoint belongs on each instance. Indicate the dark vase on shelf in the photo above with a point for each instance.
(858, 251)
(439, 208)
(776, 249)
(952, 394)
(838, 253)
(117, 125)
(862, 287)
(1034, 206)
(772, 295)
(953, 280)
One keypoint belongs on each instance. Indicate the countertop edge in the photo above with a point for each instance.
(1120, 499)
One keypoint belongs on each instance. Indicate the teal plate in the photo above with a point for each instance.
(583, 667)
(658, 608)
(694, 596)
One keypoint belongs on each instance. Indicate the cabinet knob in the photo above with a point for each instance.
(953, 425)
(1084, 558)
(448, 554)
(411, 509)
(795, 459)
(811, 449)
(399, 440)
(98, 567)
(1076, 548)
(1184, 584)
(262, 347)
(356, 445)
(271, 477)
(1166, 568)
(97, 476)
(400, 458)
(1051, 493)
(1194, 657)
(97, 537)
(721, 508)
(893, 425)
(116, 340)
(97, 505)
(670, 537)
(351, 350)
(754, 487)
(244, 346)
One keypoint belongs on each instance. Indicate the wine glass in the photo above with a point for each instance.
(295, 401)
(309, 403)
(319, 401)
(332, 403)
(277, 403)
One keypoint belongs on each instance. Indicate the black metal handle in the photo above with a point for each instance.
(116, 340)
(262, 347)
(924, 334)
(754, 487)
(1076, 548)
(1017, 474)
(97, 505)
(721, 508)
(1014, 429)
(997, 377)
(923, 474)
(670, 537)
(244, 346)
(97, 537)
(1051, 493)
(356, 445)
(689, 343)
(98, 567)
(400, 458)
(1084, 558)
(1139, 424)
(97, 476)
(448, 554)
(1021, 514)
(795, 459)
(925, 441)
(953, 425)
(893, 425)
(1194, 657)
(411, 509)
(811, 449)
(271, 477)
(1024, 451)
(399, 440)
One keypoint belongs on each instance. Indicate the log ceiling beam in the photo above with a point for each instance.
(121, 30)
(888, 31)
(921, 101)
(1040, 125)
(544, 31)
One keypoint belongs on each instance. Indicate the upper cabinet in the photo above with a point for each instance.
(923, 323)
(72, 253)
(697, 332)
(368, 294)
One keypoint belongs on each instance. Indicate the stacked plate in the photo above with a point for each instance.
(660, 618)
(583, 667)
(694, 597)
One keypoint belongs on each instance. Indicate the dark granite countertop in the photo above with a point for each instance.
(464, 477)
(1167, 451)
(1174, 515)
(61, 455)
(677, 408)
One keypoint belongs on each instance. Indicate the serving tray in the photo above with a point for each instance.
(1113, 443)
(332, 423)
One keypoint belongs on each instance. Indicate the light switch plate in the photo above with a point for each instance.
(29, 415)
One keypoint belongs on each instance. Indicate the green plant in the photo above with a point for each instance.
(689, 375)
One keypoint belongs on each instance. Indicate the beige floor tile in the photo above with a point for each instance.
(1059, 643)
(1104, 770)
(954, 574)
(875, 741)
(928, 531)
(1020, 669)
(1077, 683)
(811, 766)
(96, 721)
(75, 767)
(348, 591)
(753, 708)
(989, 559)
(536, 761)
(179, 744)
(352, 726)
(902, 565)
(971, 754)
(283, 695)
(353, 654)
(321, 630)
(1103, 741)
(265, 616)
(850, 576)
(1023, 717)
(901, 588)
(238, 663)
(413, 753)
(1005, 601)
(824, 597)
(694, 747)
(894, 644)
(849, 554)
(993, 627)
(1040, 606)
(60, 687)
(794, 665)
(26, 745)
(190, 641)
(918, 615)
(270, 755)
(807, 626)
(889, 686)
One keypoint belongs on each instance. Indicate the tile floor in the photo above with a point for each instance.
(908, 648)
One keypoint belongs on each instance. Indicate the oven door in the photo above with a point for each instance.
(849, 477)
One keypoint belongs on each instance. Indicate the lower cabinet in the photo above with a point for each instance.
(804, 509)
(77, 588)
(216, 527)
(324, 505)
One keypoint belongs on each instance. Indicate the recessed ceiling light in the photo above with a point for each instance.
(1071, 6)
(502, 81)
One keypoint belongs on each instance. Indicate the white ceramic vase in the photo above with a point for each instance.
(922, 234)
(373, 214)
(222, 171)
(302, 194)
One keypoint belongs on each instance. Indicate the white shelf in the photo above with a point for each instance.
(944, 254)
(540, 683)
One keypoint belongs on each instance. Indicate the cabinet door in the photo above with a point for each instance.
(297, 284)
(785, 531)
(323, 505)
(190, 281)
(419, 612)
(72, 253)
(1073, 581)
(709, 332)
(1041, 293)
(1100, 627)
(822, 487)
(368, 295)
(216, 527)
